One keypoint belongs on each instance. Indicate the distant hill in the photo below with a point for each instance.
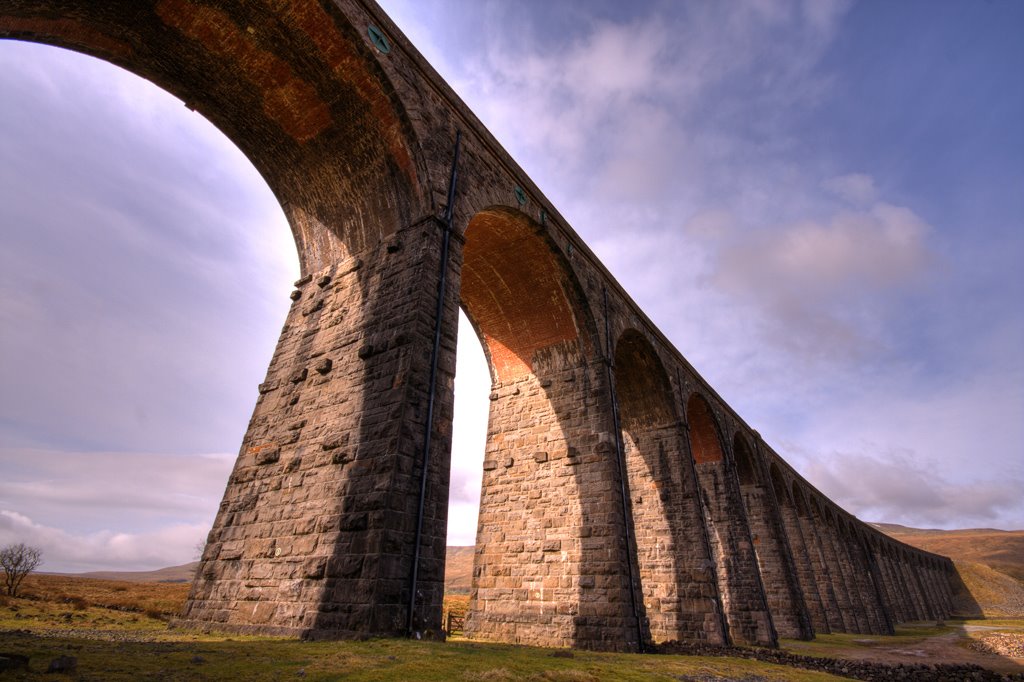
(1002, 550)
(990, 563)
(458, 570)
(171, 574)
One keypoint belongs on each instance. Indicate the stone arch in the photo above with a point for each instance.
(520, 297)
(800, 547)
(297, 92)
(538, 537)
(679, 597)
(304, 96)
(746, 469)
(843, 578)
(705, 436)
(818, 556)
(778, 481)
(775, 561)
(844, 567)
(739, 580)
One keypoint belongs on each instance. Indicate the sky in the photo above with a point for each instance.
(820, 203)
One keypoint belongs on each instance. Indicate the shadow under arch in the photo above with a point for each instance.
(679, 595)
(778, 574)
(798, 545)
(843, 570)
(818, 558)
(549, 562)
(739, 579)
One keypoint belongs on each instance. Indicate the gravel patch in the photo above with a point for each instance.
(1010, 645)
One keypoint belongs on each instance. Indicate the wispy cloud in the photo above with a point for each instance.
(102, 550)
(903, 486)
(818, 284)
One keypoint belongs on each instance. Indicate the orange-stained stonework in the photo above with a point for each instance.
(623, 500)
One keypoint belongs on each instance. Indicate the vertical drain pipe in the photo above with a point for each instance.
(449, 215)
(620, 461)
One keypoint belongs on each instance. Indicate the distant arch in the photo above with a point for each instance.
(705, 441)
(746, 469)
(519, 295)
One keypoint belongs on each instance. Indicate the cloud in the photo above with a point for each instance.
(83, 489)
(856, 188)
(102, 510)
(145, 286)
(901, 487)
(73, 552)
(817, 283)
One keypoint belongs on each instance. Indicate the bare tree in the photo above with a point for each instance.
(18, 561)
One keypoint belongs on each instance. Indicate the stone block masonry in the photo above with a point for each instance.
(623, 502)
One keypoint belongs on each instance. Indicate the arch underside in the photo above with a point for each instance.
(549, 550)
(729, 532)
(514, 292)
(293, 86)
(678, 598)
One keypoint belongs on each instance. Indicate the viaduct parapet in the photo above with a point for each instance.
(623, 501)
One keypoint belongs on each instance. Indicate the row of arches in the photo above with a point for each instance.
(722, 546)
(615, 506)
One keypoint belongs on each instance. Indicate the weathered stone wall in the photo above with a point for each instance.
(622, 501)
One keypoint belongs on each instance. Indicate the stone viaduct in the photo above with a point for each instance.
(623, 501)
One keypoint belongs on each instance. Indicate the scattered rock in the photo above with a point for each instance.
(13, 662)
(857, 670)
(1008, 644)
(63, 664)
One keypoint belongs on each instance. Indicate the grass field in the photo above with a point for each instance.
(119, 631)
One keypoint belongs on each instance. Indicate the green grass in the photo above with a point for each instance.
(117, 644)
(190, 657)
(119, 632)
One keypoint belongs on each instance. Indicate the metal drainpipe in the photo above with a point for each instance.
(449, 214)
(701, 508)
(620, 461)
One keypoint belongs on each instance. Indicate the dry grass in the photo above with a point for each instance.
(157, 599)
(1002, 550)
(121, 644)
(987, 592)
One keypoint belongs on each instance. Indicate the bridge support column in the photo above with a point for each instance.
(848, 609)
(820, 569)
(804, 570)
(782, 588)
(549, 568)
(879, 614)
(899, 583)
(315, 535)
(739, 583)
(892, 595)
